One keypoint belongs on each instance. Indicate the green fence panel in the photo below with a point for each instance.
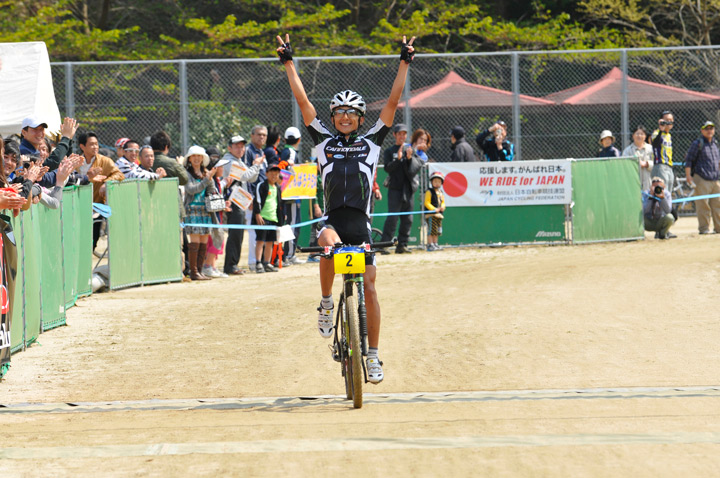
(160, 231)
(485, 225)
(124, 234)
(84, 224)
(504, 224)
(70, 242)
(31, 258)
(52, 281)
(607, 200)
(17, 323)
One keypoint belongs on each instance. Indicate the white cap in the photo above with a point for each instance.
(195, 149)
(237, 139)
(292, 132)
(606, 134)
(33, 122)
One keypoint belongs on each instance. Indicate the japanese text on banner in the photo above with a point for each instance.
(506, 184)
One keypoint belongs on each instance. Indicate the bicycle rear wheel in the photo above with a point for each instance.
(353, 371)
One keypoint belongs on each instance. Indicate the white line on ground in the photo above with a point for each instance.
(351, 444)
(369, 398)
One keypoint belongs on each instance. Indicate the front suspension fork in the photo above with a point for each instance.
(362, 315)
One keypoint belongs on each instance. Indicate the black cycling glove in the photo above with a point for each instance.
(405, 53)
(287, 54)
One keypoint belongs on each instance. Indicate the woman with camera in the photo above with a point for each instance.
(198, 187)
(493, 141)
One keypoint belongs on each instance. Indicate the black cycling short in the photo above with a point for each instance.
(353, 227)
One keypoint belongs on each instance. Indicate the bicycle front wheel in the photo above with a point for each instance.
(354, 370)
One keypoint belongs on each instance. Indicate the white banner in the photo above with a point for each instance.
(512, 183)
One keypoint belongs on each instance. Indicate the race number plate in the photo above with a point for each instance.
(349, 260)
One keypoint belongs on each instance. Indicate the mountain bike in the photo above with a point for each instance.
(683, 190)
(350, 338)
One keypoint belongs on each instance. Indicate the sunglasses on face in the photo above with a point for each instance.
(133, 150)
(345, 111)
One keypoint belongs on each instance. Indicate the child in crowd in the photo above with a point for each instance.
(216, 242)
(267, 211)
(435, 201)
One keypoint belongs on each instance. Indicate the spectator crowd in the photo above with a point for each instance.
(241, 185)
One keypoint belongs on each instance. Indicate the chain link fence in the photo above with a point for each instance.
(555, 103)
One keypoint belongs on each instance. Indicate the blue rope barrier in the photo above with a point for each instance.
(300, 224)
(695, 198)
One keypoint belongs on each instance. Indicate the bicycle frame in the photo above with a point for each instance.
(350, 340)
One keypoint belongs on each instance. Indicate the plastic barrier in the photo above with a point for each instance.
(145, 228)
(161, 238)
(52, 283)
(51, 272)
(607, 200)
(17, 323)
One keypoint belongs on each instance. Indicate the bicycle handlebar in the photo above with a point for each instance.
(373, 247)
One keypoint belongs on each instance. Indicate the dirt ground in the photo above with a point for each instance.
(519, 361)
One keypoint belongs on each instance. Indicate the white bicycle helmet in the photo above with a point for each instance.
(348, 98)
(437, 174)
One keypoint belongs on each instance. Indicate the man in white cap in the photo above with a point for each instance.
(233, 245)
(607, 150)
(291, 207)
(33, 133)
(702, 170)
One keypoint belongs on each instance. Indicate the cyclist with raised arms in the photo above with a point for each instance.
(347, 162)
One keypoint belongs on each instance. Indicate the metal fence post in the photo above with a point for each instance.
(624, 106)
(516, 105)
(407, 112)
(184, 137)
(69, 91)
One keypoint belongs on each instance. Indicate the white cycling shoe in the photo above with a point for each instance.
(325, 321)
(374, 370)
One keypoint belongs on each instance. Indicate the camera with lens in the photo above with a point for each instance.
(658, 190)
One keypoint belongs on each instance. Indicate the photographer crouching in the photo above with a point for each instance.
(657, 209)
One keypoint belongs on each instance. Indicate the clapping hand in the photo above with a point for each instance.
(63, 171)
(94, 175)
(11, 200)
(34, 173)
(69, 127)
(161, 172)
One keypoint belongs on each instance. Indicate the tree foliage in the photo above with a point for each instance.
(167, 29)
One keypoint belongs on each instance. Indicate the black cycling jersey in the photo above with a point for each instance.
(347, 167)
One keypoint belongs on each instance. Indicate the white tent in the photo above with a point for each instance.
(26, 86)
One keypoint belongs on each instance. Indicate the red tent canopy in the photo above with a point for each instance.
(608, 90)
(454, 92)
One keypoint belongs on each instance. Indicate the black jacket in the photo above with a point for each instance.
(261, 193)
(403, 172)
